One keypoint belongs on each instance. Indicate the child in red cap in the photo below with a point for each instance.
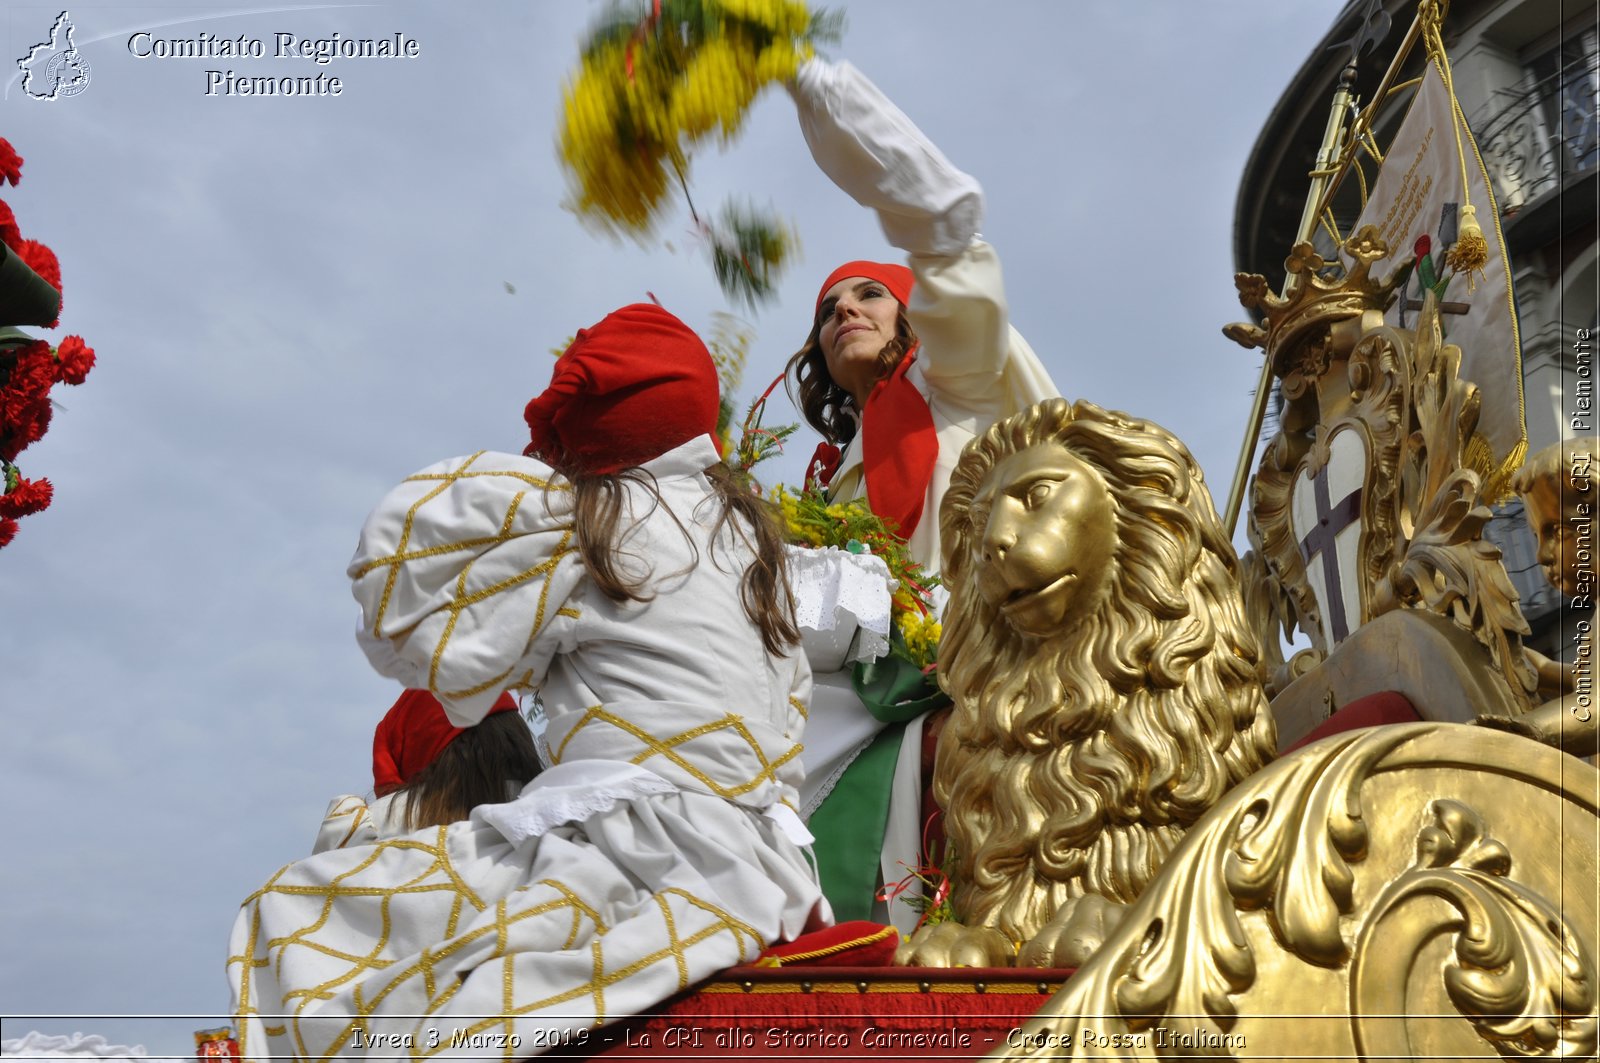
(618, 571)
(427, 772)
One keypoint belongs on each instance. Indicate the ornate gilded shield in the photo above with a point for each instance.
(1325, 516)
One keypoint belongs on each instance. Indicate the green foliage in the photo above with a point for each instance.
(747, 251)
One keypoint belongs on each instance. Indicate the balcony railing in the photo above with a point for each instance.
(1535, 135)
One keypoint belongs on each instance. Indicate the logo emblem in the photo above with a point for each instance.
(1325, 515)
(55, 68)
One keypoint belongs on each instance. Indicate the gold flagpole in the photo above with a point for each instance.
(1327, 155)
(1334, 160)
(1363, 122)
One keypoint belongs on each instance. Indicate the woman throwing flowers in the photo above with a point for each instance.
(901, 368)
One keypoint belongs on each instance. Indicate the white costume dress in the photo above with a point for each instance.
(972, 367)
(659, 848)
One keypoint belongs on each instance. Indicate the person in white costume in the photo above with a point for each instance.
(644, 598)
(901, 369)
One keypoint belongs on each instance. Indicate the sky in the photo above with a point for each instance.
(296, 303)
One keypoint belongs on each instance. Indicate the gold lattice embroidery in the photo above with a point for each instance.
(672, 905)
(511, 513)
(465, 601)
(402, 554)
(672, 933)
(745, 937)
(515, 474)
(400, 548)
(667, 748)
(354, 809)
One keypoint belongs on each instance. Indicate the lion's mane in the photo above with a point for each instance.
(1073, 763)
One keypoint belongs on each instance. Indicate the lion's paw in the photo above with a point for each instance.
(1074, 934)
(949, 944)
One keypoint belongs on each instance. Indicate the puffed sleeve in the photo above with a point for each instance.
(462, 573)
(878, 156)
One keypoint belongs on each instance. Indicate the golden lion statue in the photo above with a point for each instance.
(1104, 677)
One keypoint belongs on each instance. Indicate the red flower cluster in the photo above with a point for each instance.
(25, 406)
(28, 372)
(10, 163)
(75, 358)
(10, 235)
(24, 497)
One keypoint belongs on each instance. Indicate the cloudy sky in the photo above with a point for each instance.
(297, 302)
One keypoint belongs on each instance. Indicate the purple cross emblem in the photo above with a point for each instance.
(1331, 520)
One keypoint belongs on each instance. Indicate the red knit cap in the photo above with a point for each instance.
(627, 390)
(411, 736)
(898, 279)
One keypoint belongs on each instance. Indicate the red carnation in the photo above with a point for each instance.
(25, 408)
(32, 374)
(18, 409)
(42, 261)
(10, 163)
(18, 406)
(10, 235)
(8, 530)
(16, 436)
(76, 358)
(1423, 245)
(29, 496)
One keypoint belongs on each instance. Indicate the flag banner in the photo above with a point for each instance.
(1416, 206)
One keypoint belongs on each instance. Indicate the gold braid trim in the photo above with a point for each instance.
(832, 950)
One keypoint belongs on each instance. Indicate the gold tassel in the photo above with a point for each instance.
(1471, 251)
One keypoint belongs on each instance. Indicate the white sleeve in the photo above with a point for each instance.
(974, 363)
(462, 574)
(346, 823)
(874, 153)
(798, 711)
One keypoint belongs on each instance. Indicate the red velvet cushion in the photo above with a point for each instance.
(854, 944)
(1370, 711)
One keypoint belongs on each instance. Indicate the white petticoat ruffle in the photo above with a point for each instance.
(839, 595)
(570, 793)
(576, 790)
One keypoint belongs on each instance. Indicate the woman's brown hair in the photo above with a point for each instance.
(763, 590)
(484, 765)
(826, 406)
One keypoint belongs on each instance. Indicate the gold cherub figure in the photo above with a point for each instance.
(1557, 486)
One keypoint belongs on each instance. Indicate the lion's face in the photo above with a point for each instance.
(1045, 533)
(1095, 646)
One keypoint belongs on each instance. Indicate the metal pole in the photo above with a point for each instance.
(1363, 121)
(1327, 155)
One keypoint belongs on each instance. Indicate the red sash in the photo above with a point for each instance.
(899, 449)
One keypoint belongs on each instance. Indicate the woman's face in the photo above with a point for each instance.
(859, 317)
